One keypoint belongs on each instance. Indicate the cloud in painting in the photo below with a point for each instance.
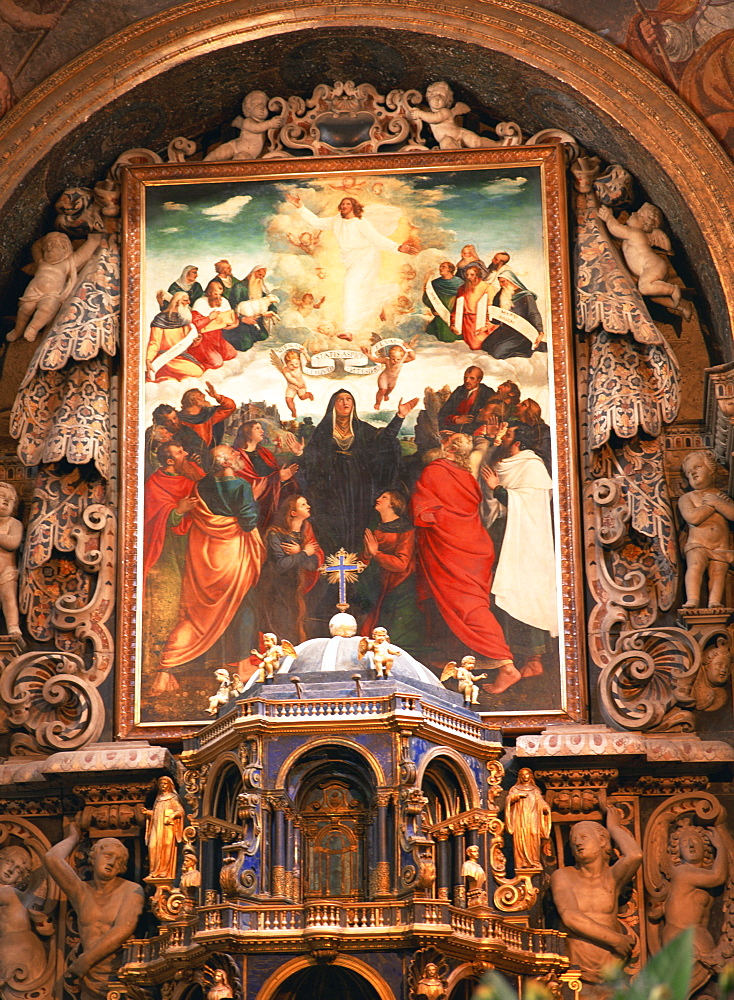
(171, 229)
(504, 186)
(175, 206)
(227, 211)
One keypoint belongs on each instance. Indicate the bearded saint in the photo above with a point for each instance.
(171, 335)
(223, 562)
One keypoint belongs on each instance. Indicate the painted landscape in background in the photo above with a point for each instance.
(368, 344)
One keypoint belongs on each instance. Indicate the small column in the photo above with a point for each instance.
(459, 855)
(380, 876)
(277, 870)
(443, 867)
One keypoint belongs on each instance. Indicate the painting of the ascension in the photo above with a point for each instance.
(359, 363)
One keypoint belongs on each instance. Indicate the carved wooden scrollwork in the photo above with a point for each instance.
(50, 695)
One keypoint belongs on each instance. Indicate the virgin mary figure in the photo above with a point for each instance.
(347, 464)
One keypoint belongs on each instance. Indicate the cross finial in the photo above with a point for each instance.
(343, 567)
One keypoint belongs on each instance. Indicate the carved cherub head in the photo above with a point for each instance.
(56, 247)
(379, 634)
(439, 95)
(699, 468)
(8, 499)
(648, 217)
(255, 105)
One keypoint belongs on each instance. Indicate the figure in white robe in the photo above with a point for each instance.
(525, 579)
(360, 245)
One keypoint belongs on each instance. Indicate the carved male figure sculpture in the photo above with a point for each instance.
(475, 877)
(107, 907)
(587, 894)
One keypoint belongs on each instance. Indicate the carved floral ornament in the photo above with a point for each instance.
(628, 372)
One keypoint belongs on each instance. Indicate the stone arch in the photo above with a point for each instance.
(689, 174)
(458, 766)
(270, 987)
(369, 758)
(213, 786)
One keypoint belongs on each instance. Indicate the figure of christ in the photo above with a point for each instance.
(212, 315)
(290, 571)
(223, 562)
(392, 363)
(586, 895)
(167, 355)
(270, 481)
(390, 549)
(204, 420)
(107, 908)
(22, 954)
(524, 585)
(360, 246)
(707, 512)
(456, 555)
(346, 463)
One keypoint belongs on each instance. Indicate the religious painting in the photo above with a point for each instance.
(346, 389)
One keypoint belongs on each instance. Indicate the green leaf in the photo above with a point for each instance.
(671, 967)
(494, 987)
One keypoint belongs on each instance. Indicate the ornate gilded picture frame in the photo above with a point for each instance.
(347, 388)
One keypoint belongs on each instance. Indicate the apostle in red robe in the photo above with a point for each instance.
(223, 562)
(456, 555)
(270, 481)
(168, 501)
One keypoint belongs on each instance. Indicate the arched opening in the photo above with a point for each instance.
(464, 989)
(446, 791)
(332, 788)
(224, 797)
(448, 795)
(325, 982)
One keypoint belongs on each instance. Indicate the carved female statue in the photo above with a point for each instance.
(220, 988)
(700, 865)
(22, 954)
(528, 819)
(164, 831)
